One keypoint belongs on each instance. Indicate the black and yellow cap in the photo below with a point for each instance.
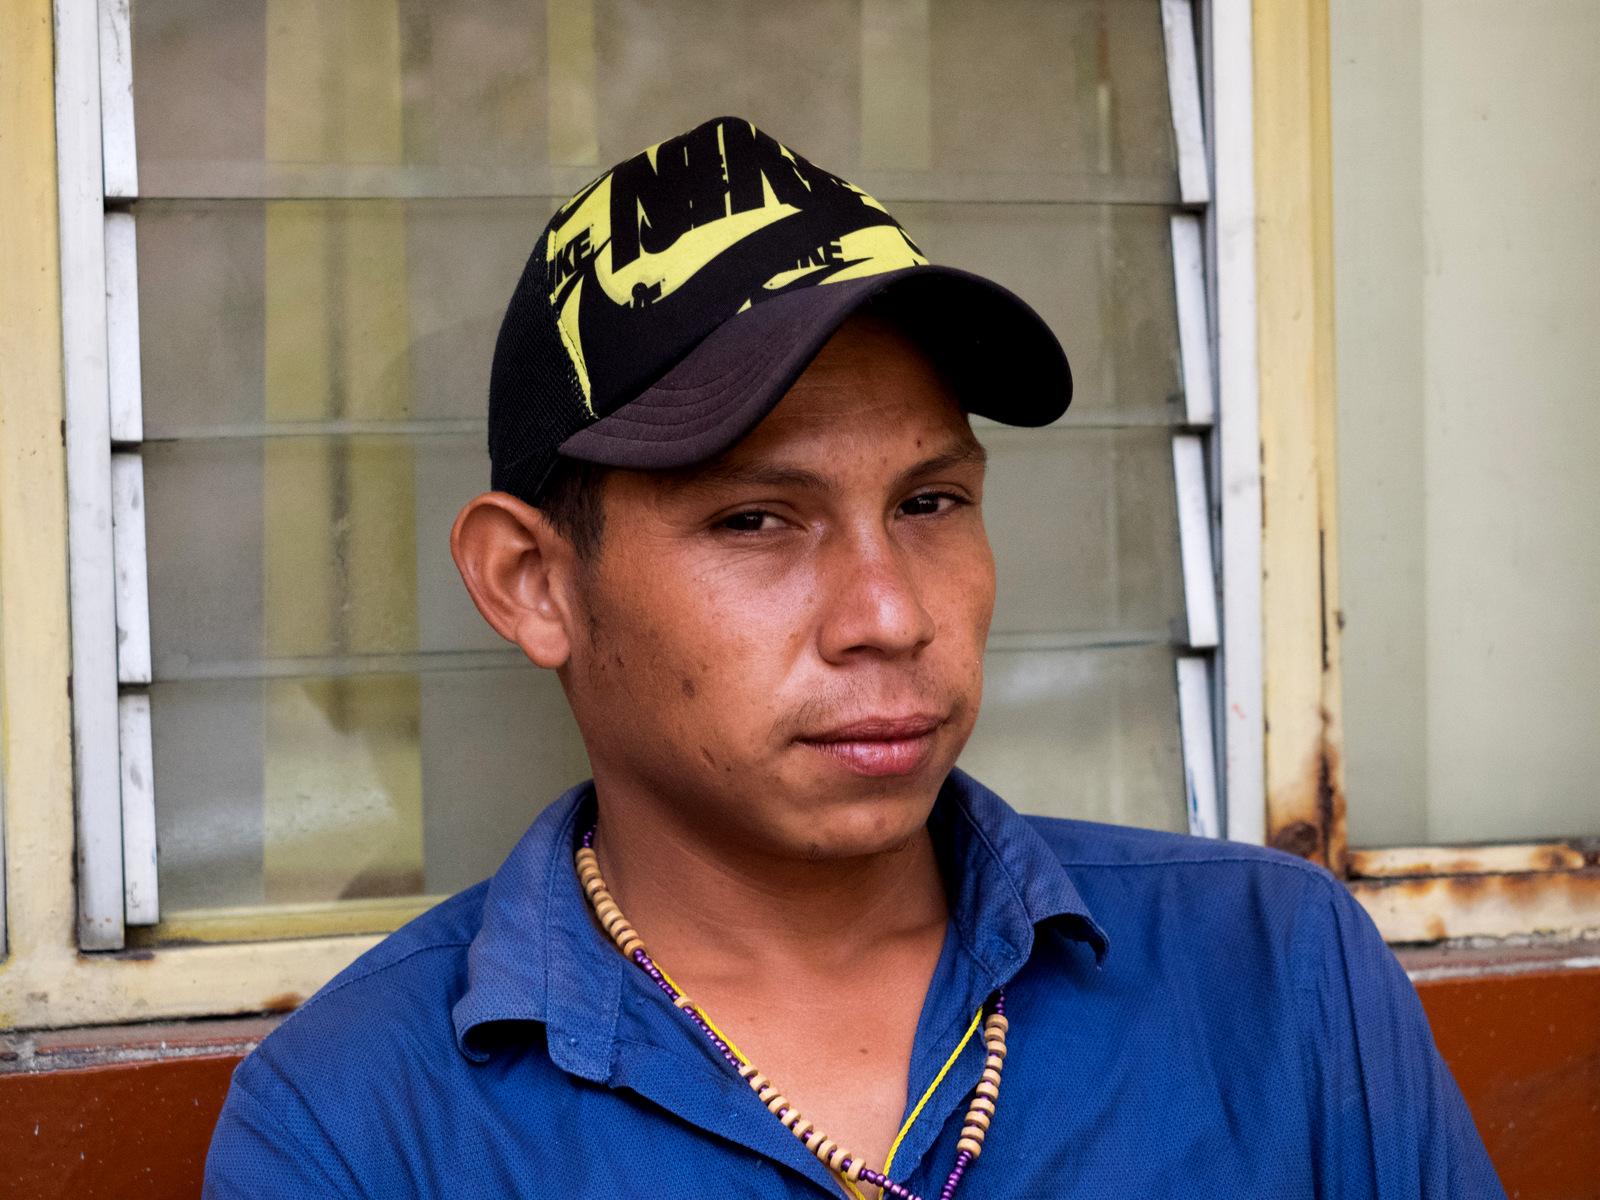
(669, 306)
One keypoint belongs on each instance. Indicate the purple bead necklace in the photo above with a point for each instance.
(832, 1155)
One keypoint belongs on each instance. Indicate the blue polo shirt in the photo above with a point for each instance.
(1188, 1018)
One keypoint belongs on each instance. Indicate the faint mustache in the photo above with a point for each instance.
(917, 706)
(879, 729)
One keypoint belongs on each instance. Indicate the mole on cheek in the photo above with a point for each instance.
(688, 688)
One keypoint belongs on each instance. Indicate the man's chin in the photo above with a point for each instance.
(833, 827)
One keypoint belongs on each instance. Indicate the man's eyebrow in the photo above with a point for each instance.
(757, 475)
(967, 453)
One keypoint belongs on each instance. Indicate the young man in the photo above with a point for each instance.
(779, 946)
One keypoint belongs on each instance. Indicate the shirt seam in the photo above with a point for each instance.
(1303, 868)
(293, 1138)
(368, 974)
(1311, 982)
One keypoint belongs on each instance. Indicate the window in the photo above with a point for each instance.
(1464, 251)
(312, 216)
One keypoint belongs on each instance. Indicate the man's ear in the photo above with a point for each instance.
(520, 572)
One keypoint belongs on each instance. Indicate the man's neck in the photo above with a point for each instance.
(818, 970)
(729, 908)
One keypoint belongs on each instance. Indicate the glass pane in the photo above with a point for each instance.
(1084, 527)
(332, 719)
(1467, 245)
(305, 789)
(371, 291)
(1004, 99)
(302, 548)
(1090, 734)
(439, 272)
(1100, 274)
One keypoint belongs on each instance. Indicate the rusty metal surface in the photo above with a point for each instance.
(1525, 1050)
(1428, 909)
(1306, 817)
(1469, 860)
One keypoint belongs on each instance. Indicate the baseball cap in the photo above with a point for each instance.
(671, 304)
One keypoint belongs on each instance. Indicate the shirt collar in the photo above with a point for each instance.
(538, 956)
(1005, 881)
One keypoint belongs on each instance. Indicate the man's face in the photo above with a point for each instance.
(785, 645)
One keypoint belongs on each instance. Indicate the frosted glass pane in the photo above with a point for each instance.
(1025, 85)
(315, 789)
(216, 532)
(1090, 734)
(1101, 275)
(1016, 99)
(204, 269)
(1083, 524)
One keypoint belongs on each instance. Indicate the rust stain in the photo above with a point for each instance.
(1508, 884)
(1553, 858)
(1465, 860)
(286, 1002)
(1330, 805)
(1299, 837)
(1321, 838)
(1494, 905)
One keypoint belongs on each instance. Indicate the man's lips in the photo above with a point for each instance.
(878, 745)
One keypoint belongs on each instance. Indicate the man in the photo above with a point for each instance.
(780, 946)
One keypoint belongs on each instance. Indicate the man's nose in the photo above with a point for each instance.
(873, 602)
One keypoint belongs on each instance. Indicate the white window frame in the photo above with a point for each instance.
(1216, 455)
(1228, 38)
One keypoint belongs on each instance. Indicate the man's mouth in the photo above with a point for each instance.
(879, 745)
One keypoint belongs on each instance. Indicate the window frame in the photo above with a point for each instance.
(67, 971)
(1414, 894)
(55, 219)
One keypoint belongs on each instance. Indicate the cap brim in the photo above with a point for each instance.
(1001, 359)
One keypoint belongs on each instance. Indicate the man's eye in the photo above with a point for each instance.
(927, 504)
(746, 522)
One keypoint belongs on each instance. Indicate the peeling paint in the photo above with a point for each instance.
(1428, 909)
(1405, 861)
(1318, 836)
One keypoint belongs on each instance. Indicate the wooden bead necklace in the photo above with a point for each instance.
(832, 1155)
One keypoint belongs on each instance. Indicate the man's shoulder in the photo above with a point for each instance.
(1205, 889)
(1090, 844)
(425, 950)
(397, 997)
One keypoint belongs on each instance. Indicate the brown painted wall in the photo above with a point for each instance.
(133, 1129)
(1526, 1051)
(1524, 1048)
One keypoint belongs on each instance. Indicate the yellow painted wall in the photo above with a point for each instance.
(35, 717)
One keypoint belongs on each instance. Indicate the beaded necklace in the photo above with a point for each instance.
(832, 1155)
